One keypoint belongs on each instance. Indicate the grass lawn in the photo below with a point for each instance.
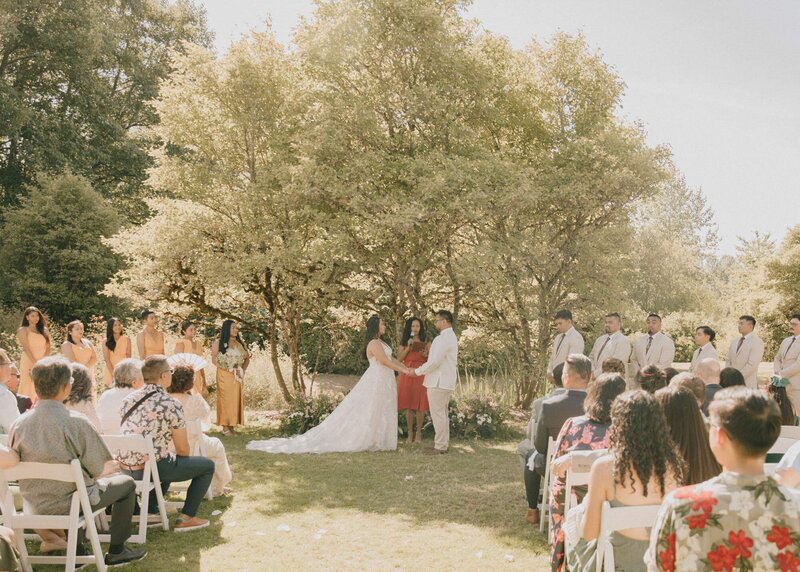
(368, 511)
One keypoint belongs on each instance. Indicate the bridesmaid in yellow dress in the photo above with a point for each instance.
(150, 340)
(78, 349)
(227, 350)
(188, 345)
(34, 339)
(116, 349)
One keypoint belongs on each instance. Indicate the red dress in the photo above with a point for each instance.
(411, 394)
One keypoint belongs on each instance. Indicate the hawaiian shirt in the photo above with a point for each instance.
(157, 417)
(577, 434)
(732, 522)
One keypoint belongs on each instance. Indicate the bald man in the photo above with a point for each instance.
(708, 370)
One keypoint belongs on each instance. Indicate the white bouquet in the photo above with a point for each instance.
(232, 361)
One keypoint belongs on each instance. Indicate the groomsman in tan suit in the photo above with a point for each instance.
(612, 344)
(746, 351)
(568, 341)
(787, 360)
(654, 348)
(703, 336)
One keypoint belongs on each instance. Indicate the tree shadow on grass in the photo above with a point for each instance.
(478, 483)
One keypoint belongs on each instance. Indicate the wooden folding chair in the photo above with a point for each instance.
(618, 518)
(544, 512)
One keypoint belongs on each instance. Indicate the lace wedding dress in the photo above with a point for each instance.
(366, 420)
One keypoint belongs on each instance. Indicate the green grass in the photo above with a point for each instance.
(374, 518)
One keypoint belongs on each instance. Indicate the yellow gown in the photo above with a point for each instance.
(230, 397)
(120, 353)
(153, 346)
(38, 346)
(83, 355)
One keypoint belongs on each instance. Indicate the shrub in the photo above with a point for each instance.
(478, 416)
(303, 413)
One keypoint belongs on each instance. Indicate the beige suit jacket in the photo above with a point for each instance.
(706, 352)
(662, 352)
(787, 364)
(618, 347)
(572, 344)
(747, 359)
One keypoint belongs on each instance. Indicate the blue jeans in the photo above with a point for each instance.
(176, 469)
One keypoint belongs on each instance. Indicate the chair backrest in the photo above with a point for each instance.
(782, 445)
(129, 443)
(790, 432)
(579, 471)
(619, 518)
(71, 473)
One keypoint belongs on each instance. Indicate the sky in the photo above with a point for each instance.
(716, 80)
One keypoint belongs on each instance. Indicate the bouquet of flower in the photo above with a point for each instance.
(232, 361)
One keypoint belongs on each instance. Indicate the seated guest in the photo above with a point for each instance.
(742, 519)
(730, 376)
(584, 433)
(693, 384)
(642, 466)
(195, 408)
(688, 430)
(127, 377)
(50, 433)
(81, 397)
(777, 391)
(669, 373)
(23, 401)
(525, 447)
(150, 411)
(613, 365)
(555, 411)
(8, 402)
(708, 370)
(651, 378)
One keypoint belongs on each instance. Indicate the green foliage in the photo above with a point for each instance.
(784, 272)
(339, 351)
(303, 412)
(478, 416)
(53, 254)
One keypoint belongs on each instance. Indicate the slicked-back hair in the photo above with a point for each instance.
(580, 364)
(712, 335)
(447, 315)
(751, 419)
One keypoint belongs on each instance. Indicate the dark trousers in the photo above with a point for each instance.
(533, 480)
(120, 495)
(199, 470)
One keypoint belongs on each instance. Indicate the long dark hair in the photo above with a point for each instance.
(689, 433)
(601, 395)
(82, 384)
(407, 331)
(225, 336)
(641, 442)
(41, 326)
(70, 327)
(784, 402)
(111, 343)
(373, 329)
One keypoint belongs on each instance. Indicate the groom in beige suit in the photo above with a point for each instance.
(653, 348)
(787, 360)
(440, 373)
(568, 341)
(612, 344)
(704, 337)
(746, 351)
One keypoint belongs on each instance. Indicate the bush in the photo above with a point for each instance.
(343, 354)
(478, 416)
(304, 413)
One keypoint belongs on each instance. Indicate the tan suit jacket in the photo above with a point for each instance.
(747, 359)
(618, 347)
(662, 352)
(787, 364)
(706, 352)
(572, 344)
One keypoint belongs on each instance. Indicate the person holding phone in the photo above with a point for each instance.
(412, 396)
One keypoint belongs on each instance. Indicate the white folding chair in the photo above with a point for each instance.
(618, 518)
(544, 512)
(194, 432)
(782, 445)
(118, 444)
(80, 514)
(578, 473)
(790, 432)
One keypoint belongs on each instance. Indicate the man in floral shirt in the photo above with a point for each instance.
(742, 519)
(152, 412)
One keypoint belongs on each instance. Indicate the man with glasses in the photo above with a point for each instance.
(150, 411)
(23, 401)
(787, 360)
(8, 402)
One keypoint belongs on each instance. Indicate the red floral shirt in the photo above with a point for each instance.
(731, 522)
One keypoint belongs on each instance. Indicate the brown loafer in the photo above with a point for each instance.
(533, 516)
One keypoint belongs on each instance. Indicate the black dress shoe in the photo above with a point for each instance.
(127, 555)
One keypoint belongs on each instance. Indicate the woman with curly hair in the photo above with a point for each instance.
(642, 466)
(688, 430)
(81, 396)
(584, 433)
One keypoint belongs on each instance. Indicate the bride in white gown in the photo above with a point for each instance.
(366, 420)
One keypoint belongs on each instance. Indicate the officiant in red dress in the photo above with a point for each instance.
(412, 397)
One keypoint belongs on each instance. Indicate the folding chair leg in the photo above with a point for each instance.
(97, 549)
(72, 544)
(23, 550)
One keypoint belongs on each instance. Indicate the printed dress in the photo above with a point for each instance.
(577, 434)
(730, 522)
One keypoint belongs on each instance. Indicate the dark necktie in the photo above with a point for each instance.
(560, 341)
(790, 346)
(739, 345)
(605, 343)
(649, 343)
